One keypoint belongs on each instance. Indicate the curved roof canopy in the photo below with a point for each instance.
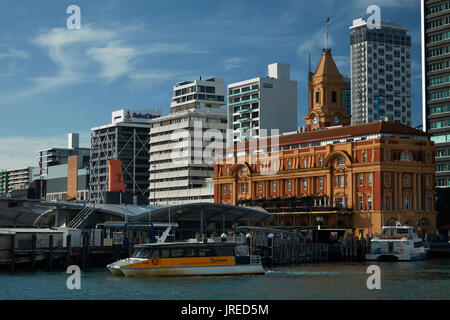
(178, 213)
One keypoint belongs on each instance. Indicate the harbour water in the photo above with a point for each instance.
(428, 279)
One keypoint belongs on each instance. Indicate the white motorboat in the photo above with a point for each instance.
(399, 243)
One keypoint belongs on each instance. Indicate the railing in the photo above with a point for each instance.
(255, 260)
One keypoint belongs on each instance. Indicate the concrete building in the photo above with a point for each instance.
(126, 139)
(180, 169)
(56, 156)
(4, 182)
(68, 181)
(20, 179)
(380, 64)
(436, 83)
(263, 103)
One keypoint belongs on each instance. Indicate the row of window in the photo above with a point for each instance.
(438, 8)
(437, 81)
(437, 23)
(438, 66)
(438, 95)
(439, 109)
(441, 138)
(439, 124)
(244, 98)
(195, 89)
(438, 37)
(438, 51)
(243, 90)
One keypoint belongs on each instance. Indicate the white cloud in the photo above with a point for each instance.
(314, 43)
(93, 54)
(18, 152)
(14, 53)
(233, 63)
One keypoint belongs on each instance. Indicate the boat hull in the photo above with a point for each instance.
(395, 256)
(192, 271)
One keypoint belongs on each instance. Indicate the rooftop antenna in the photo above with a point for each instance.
(326, 23)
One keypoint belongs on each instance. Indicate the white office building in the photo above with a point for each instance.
(263, 103)
(380, 63)
(182, 144)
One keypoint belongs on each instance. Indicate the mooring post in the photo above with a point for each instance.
(50, 252)
(297, 245)
(13, 253)
(33, 252)
(68, 253)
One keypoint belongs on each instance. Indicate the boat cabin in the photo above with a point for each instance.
(191, 250)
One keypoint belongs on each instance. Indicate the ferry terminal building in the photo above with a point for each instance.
(362, 176)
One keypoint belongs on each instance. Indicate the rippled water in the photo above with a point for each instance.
(429, 279)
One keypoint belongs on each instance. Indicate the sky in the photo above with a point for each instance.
(130, 53)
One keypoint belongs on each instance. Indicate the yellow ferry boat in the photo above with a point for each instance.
(188, 258)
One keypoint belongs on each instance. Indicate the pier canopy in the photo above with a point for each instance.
(191, 212)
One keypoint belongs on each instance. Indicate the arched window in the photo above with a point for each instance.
(244, 170)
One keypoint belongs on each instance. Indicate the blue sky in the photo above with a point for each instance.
(129, 54)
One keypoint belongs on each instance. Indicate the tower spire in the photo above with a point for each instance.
(326, 23)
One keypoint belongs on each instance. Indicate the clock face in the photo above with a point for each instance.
(336, 120)
(315, 120)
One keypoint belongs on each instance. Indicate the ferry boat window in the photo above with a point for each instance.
(141, 253)
(224, 251)
(177, 253)
(204, 252)
(165, 253)
(241, 251)
(189, 252)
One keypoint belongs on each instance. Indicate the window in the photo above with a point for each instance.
(260, 187)
(369, 179)
(230, 186)
(305, 184)
(289, 185)
(304, 162)
(333, 96)
(386, 179)
(341, 161)
(364, 156)
(428, 181)
(405, 156)
(369, 203)
(386, 155)
(274, 186)
(341, 181)
(387, 205)
(428, 203)
(317, 97)
(320, 182)
(224, 188)
(406, 179)
(360, 179)
(244, 170)
(360, 203)
(406, 202)
(320, 162)
(289, 164)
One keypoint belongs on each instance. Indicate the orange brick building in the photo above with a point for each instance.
(361, 176)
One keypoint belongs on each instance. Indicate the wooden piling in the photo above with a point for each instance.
(13, 252)
(68, 252)
(33, 252)
(50, 252)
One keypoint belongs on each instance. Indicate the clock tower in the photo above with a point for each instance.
(326, 96)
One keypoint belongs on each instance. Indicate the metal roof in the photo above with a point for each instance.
(178, 213)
